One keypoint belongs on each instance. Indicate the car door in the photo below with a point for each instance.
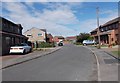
(26, 47)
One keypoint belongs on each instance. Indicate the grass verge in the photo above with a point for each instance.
(117, 53)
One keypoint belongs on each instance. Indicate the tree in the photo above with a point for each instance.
(84, 36)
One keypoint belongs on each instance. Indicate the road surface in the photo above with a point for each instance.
(70, 63)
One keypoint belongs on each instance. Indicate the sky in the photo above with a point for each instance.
(59, 18)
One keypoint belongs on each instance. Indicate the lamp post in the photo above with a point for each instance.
(97, 11)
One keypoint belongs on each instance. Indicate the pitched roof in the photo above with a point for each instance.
(107, 23)
(61, 37)
(71, 37)
(112, 21)
(49, 35)
(43, 30)
(18, 25)
(94, 30)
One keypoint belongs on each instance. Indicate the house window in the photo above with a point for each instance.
(29, 35)
(18, 30)
(110, 27)
(4, 25)
(39, 34)
(12, 40)
(106, 28)
(17, 40)
(7, 24)
(7, 39)
(114, 26)
(12, 28)
(102, 29)
(117, 25)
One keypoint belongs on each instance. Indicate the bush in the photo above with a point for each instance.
(113, 44)
(45, 45)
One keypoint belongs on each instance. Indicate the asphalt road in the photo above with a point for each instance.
(70, 63)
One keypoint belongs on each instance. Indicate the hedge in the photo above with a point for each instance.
(45, 45)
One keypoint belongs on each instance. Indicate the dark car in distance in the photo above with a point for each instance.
(60, 44)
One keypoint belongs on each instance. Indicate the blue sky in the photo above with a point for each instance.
(59, 18)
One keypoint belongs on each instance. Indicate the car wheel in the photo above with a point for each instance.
(24, 52)
(30, 50)
(85, 44)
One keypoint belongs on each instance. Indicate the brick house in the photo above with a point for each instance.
(57, 39)
(50, 38)
(108, 32)
(71, 39)
(11, 34)
(36, 35)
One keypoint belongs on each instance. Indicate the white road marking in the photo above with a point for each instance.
(98, 64)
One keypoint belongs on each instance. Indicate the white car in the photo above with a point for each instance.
(20, 48)
(89, 42)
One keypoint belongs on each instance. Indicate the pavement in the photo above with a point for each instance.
(11, 60)
(108, 65)
(70, 63)
(109, 51)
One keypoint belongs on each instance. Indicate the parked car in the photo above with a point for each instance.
(60, 44)
(20, 48)
(89, 42)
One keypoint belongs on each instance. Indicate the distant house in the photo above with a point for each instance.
(36, 35)
(71, 38)
(109, 33)
(11, 34)
(58, 39)
(49, 38)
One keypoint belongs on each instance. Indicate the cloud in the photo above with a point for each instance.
(106, 12)
(58, 19)
(55, 21)
(91, 24)
(59, 16)
(60, 1)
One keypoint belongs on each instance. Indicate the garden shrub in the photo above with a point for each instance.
(45, 45)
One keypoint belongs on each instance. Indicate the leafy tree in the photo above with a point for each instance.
(84, 36)
(90, 38)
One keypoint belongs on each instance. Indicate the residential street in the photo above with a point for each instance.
(60, 40)
(70, 63)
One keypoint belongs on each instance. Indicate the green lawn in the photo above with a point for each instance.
(116, 53)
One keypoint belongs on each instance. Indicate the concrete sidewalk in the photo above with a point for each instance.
(109, 51)
(108, 65)
(7, 61)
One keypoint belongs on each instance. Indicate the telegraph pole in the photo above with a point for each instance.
(97, 11)
(119, 24)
